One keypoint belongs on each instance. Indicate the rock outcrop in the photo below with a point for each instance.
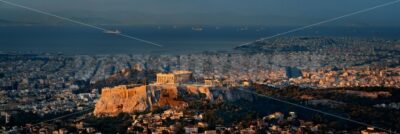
(169, 96)
(122, 99)
(131, 99)
(200, 90)
(139, 99)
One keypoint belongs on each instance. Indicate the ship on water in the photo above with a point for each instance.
(112, 31)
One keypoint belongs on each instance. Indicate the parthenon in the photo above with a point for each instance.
(175, 77)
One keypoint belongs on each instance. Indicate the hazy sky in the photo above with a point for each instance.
(203, 12)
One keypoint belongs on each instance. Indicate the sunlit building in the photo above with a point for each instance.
(176, 77)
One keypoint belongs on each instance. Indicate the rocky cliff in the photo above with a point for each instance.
(122, 99)
(131, 99)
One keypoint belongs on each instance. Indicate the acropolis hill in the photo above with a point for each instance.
(140, 98)
(164, 93)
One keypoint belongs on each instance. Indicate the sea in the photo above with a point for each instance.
(80, 40)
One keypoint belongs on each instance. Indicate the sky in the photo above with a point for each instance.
(202, 12)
